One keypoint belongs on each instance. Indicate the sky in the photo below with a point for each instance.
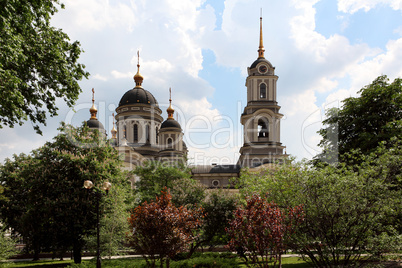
(323, 50)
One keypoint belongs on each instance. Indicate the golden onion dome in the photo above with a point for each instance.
(170, 110)
(138, 78)
(93, 109)
(114, 130)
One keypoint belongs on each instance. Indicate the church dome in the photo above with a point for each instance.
(95, 124)
(170, 123)
(257, 61)
(138, 95)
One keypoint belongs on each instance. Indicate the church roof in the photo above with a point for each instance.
(138, 95)
(255, 63)
(95, 123)
(216, 169)
(170, 123)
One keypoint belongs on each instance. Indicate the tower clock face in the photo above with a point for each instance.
(262, 69)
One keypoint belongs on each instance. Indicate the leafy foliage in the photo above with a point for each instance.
(161, 230)
(219, 208)
(364, 121)
(114, 224)
(7, 245)
(45, 200)
(155, 176)
(349, 209)
(38, 63)
(261, 231)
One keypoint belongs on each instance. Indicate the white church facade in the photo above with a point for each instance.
(142, 134)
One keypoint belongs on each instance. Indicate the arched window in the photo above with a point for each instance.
(156, 135)
(263, 128)
(147, 133)
(135, 133)
(125, 132)
(170, 143)
(263, 91)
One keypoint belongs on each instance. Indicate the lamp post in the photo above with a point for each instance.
(98, 194)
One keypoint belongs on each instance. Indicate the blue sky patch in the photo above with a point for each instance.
(374, 27)
(218, 6)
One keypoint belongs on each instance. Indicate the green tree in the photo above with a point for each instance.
(114, 225)
(38, 63)
(348, 209)
(363, 122)
(155, 176)
(219, 208)
(45, 200)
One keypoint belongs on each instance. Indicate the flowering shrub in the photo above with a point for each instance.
(260, 231)
(161, 230)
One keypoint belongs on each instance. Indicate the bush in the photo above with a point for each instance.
(7, 245)
(161, 230)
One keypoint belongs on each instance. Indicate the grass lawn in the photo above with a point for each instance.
(37, 264)
(291, 262)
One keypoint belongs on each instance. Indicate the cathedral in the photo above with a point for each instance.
(142, 134)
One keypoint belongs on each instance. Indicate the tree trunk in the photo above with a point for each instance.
(77, 252)
(194, 247)
(36, 254)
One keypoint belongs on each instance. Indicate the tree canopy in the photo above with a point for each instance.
(38, 63)
(155, 176)
(363, 122)
(44, 199)
(349, 209)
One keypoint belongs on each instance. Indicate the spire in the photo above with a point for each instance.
(170, 110)
(138, 77)
(93, 109)
(114, 130)
(261, 47)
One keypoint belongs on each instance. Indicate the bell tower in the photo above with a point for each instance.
(261, 118)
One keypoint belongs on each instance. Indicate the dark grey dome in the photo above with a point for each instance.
(94, 123)
(255, 63)
(170, 123)
(138, 95)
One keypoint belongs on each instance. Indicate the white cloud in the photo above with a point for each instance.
(334, 99)
(119, 75)
(199, 113)
(100, 77)
(352, 6)
(385, 63)
(96, 15)
(335, 50)
(160, 66)
(301, 122)
(324, 84)
(398, 30)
